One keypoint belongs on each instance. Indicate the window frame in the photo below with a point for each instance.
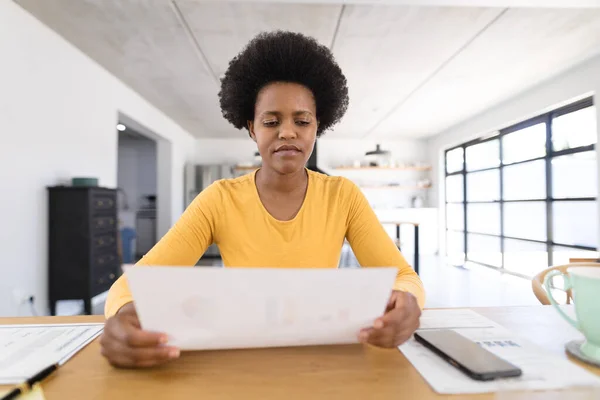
(546, 118)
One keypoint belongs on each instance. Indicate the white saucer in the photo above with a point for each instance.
(574, 349)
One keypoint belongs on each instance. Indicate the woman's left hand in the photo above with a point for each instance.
(396, 326)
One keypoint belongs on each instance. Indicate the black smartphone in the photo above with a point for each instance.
(466, 355)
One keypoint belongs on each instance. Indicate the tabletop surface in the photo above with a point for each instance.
(320, 372)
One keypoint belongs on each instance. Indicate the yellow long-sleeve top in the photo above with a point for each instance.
(230, 214)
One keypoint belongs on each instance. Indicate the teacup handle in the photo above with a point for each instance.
(547, 281)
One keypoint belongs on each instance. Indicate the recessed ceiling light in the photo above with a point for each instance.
(121, 127)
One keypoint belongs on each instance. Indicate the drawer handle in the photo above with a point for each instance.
(112, 221)
(112, 276)
(100, 242)
(100, 222)
(101, 280)
(100, 203)
(101, 261)
(110, 203)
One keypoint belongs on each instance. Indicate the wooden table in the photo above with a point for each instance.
(416, 240)
(325, 372)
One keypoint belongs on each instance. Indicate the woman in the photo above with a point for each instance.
(287, 90)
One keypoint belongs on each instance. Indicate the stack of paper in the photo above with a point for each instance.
(27, 349)
(541, 369)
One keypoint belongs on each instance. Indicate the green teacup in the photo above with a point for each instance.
(584, 281)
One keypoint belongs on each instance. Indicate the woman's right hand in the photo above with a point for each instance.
(126, 345)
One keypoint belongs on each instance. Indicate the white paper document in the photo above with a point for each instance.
(225, 308)
(27, 349)
(541, 369)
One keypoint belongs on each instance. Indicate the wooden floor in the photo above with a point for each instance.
(477, 286)
(445, 285)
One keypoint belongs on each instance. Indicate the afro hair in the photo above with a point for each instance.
(283, 57)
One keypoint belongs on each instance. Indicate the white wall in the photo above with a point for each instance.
(58, 113)
(331, 152)
(572, 85)
(225, 151)
(344, 152)
(335, 152)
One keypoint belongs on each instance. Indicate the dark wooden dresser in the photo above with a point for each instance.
(83, 259)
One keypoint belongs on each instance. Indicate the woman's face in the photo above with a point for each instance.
(284, 126)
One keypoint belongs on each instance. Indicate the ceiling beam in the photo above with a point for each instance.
(337, 27)
(439, 3)
(193, 41)
(434, 73)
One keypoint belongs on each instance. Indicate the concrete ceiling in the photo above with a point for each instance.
(413, 71)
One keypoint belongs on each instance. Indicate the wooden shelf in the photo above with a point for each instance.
(397, 187)
(424, 168)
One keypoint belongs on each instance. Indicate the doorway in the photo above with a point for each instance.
(137, 186)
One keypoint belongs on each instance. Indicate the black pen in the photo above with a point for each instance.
(28, 384)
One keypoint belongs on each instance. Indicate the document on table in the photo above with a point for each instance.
(27, 349)
(226, 308)
(541, 369)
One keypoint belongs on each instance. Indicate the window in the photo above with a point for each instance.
(525, 220)
(454, 160)
(562, 255)
(454, 188)
(483, 155)
(455, 217)
(522, 181)
(574, 175)
(574, 223)
(525, 198)
(575, 129)
(483, 186)
(483, 218)
(524, 144)
(525, 258)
